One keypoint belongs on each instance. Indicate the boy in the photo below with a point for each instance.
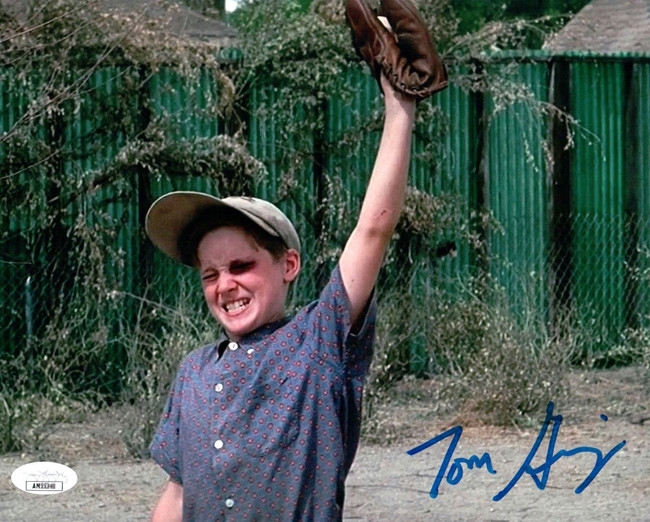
(265, 423)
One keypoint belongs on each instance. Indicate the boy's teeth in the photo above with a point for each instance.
(231, 307)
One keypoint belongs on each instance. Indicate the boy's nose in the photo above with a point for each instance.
(226, 284)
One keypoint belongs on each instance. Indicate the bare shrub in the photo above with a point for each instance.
(57, 375)
(513, 372)
(30, 410)
(632, 349)
(492, 366)
(156, 342)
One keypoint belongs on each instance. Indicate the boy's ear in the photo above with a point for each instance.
(292, 265)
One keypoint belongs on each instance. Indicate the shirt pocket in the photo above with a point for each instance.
(268, 421)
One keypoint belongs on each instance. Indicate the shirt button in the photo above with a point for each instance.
(233, 345)
(218, 387)
(218, 444)
(230, 503)
(250, 351)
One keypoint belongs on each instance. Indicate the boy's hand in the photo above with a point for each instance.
(395, 100)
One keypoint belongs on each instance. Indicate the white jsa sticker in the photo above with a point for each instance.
(44, 478)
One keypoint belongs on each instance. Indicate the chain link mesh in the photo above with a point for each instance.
(600, 278)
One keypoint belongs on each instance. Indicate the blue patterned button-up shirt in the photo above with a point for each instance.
(269, 429)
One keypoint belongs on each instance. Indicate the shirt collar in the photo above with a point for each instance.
(251, 337)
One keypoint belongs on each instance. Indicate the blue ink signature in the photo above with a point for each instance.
(539, 474)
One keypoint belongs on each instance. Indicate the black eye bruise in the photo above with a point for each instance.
(210, 219)
(241, 265)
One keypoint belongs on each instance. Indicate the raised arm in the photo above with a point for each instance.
(382, 205)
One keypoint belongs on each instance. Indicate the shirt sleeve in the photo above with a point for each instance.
(355, 352)
(332, 319)
(165, 447)
(360, 343)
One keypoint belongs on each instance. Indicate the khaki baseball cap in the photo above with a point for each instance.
(171, 214)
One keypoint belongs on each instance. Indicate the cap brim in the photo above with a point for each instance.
(170, 215)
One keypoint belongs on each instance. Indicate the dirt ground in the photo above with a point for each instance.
(386, 483)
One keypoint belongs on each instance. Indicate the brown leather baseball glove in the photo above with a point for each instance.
(405, 54)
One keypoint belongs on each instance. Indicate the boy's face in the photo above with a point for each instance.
(243, 285)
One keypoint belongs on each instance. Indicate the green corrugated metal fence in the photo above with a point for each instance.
(641, 192)
(517, 190)
(492, 155)
(598, 177)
